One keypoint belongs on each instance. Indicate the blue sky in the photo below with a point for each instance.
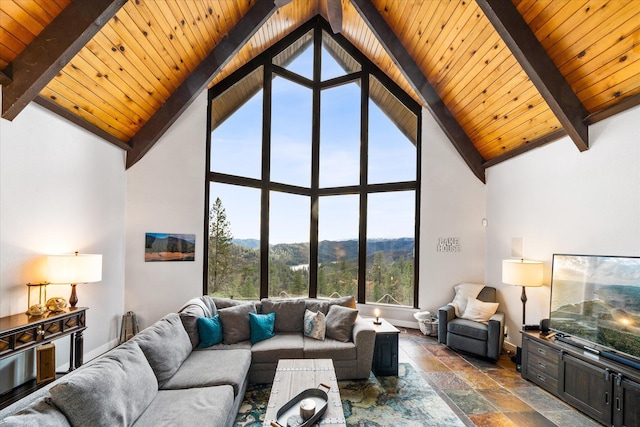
(237, 150)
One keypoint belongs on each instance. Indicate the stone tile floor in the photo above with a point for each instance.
(483, 393)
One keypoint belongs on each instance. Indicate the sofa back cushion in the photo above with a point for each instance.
(166, 345)
(114, 390)
(189, 315)
(289, 313)
(41, 413)
(235, 322)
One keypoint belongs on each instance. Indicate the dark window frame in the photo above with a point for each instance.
(363, 189)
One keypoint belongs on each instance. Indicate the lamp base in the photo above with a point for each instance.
(73, 299)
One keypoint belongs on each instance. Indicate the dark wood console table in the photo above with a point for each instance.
(20, 332)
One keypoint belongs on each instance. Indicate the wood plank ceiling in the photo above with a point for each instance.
(499, 77)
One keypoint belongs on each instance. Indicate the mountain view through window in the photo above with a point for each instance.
(312, 187)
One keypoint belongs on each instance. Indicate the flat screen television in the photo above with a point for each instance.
(596, 299)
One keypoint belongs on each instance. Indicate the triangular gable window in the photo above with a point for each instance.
(312, 176)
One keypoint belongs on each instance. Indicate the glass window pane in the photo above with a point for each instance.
(338, 219)
(291, 110)
(288, 245)
(392, 137)
(336, 61)
(234, 241)
(340, 136)
(390, 248)
(236, 137)
(298, 57)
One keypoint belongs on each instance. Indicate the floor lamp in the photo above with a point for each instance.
(523, 273)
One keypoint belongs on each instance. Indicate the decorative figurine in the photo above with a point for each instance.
(37, 310)
(56, 304)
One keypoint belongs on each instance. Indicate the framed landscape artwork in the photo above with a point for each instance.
(169, 247)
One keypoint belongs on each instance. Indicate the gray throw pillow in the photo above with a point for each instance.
(235, 322)
(166, 345)
(289, 313)
(113, 391)
(339, 322)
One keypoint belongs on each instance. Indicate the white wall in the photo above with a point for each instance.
(453, 205)
(61, 190)
(562, 201)
(165, 194)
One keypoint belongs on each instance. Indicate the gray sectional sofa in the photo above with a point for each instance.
(161, 376)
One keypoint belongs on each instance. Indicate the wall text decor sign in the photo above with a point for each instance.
(448, 244)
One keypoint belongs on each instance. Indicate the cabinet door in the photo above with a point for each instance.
(626, 405)
(588, 388)
(385, 355)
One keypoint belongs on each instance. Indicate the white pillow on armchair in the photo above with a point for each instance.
(479, 311)
(463, 292)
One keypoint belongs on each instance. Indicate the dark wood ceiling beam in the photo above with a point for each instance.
(553, 136)
(5, 76)
(535, 61)
(76, 119)
(625, 104)
(421, 85)
(198, 80)
(54, 47)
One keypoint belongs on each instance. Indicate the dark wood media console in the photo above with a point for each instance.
(604, 389)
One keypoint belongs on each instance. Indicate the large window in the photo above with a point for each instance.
(312, 177)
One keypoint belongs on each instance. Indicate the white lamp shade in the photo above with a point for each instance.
(522, 272)
(74, 268)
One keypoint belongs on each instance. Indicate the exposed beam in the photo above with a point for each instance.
(54, 47)
(76, 119)
(535, 61)
(557, 134)
(421, 85)
(198, 80)
(625, 104)
(5, 76)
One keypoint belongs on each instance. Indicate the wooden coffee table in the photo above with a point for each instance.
(296, 375)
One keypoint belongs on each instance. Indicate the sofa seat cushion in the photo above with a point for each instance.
(285, 345)
(207, 368)
(114, 390)
(329, 349)
(41, 413)
(206, 406)
(468, 328)
(166, 345)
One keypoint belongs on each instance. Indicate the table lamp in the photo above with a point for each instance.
(523, 273)
(73, 269)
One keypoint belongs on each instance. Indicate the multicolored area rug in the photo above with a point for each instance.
(385, 401)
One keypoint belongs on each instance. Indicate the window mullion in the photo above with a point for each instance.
(315, 165)
(266, 178)
(364, 162)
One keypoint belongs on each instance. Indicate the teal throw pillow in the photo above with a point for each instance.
(210, 330)
(262, 326)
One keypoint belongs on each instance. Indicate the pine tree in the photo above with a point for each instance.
(220, 242)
